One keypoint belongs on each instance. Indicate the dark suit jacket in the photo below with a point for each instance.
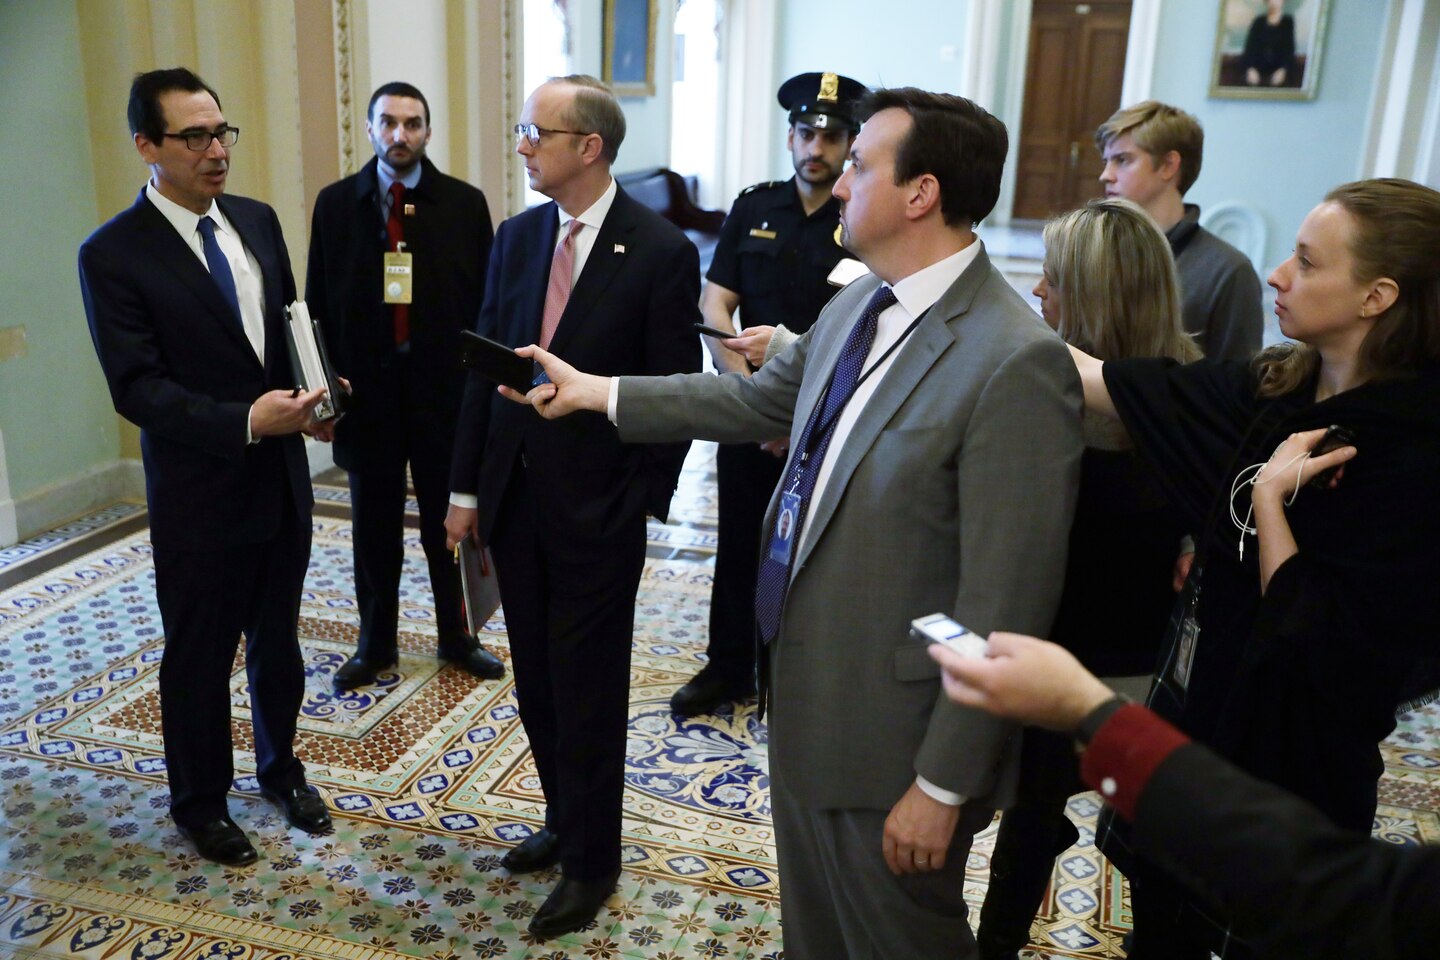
(1292, 883)
(630, 312)
(449, 234)
(181, 369)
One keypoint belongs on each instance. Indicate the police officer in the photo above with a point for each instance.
(776, 249)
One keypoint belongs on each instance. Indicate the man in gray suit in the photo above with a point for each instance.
(934, 427)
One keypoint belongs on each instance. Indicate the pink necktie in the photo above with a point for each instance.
(557, 294)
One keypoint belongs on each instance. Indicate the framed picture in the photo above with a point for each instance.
(1268, 49)
(629, 54)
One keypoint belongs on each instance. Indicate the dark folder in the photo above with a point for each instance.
(495, 361)
(479, 590)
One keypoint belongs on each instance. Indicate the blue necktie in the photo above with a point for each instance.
(804, 468)
(220, 267)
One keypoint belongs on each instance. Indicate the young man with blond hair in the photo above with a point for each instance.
(1152, 154)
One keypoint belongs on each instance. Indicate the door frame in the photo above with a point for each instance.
(987, 72)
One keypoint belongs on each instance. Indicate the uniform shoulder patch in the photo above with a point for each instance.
(766, 185)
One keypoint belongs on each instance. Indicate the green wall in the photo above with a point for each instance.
(54, 409)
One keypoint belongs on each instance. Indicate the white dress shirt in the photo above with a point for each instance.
(249, 281)
(590, 221)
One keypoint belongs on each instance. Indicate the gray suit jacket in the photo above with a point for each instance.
(953, 492)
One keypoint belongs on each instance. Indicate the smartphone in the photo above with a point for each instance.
(939, 628)
(1335, 438)
(713, 332)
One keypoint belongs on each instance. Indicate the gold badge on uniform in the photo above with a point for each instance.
(399, 275)
(762, 234)
(829, 88)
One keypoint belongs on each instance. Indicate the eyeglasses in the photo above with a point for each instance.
(199, 140)
(532, 133)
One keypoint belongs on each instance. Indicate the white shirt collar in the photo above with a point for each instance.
(595, 215)
(186, 222)
(919, 291)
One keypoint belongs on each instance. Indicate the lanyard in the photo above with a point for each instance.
(822, 428)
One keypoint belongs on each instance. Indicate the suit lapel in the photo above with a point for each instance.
(607, 255)
(367, 202)
(913, 360)
(167, 250)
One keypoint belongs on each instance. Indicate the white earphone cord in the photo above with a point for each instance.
(1251, 475)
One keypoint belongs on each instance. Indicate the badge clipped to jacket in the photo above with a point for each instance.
(399, 275)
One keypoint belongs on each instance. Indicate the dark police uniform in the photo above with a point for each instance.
(778, 260)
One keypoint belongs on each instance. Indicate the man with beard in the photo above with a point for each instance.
(400, 350)
(776, 251)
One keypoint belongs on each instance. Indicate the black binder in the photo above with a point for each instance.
(310, 361)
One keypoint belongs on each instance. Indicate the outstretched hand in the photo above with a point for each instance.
(569, 390)
(1022, 678)
(752, 344)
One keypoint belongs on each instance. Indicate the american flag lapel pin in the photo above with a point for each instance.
(619, 248)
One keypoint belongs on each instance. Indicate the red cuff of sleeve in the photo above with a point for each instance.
(1125, 752)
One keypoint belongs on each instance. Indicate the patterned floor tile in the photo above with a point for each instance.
(430, 781)
(45, 543)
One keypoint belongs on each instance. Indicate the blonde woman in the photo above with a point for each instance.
(1109, 287)
(1319, 611)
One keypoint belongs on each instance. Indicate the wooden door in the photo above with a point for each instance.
(1073, 78)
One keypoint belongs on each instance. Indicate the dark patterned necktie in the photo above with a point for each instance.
(804, 467)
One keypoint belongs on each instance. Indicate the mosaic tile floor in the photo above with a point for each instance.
(429, 779)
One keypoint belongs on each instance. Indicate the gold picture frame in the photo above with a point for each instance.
(1257, 59)
(628, 58)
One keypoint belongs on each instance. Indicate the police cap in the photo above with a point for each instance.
(822, 99)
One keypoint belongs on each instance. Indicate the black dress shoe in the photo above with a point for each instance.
(221, 841)
(571, 905)
(536, 852)
(303, 808)
(356, 672)
(708, 690)
(468, 655)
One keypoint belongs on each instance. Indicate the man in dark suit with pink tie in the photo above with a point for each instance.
(608, 284)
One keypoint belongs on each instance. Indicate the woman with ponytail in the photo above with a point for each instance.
(1311, 613)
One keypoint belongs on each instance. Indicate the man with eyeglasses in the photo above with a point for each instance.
(607, 283)
(185, 294)
(401, 353)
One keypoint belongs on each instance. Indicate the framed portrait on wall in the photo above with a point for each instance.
(1268, 49)
(629, 53)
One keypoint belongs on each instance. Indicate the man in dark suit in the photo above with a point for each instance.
(403, 363)
(607, 283)
(1291, 883)
(185, 294)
